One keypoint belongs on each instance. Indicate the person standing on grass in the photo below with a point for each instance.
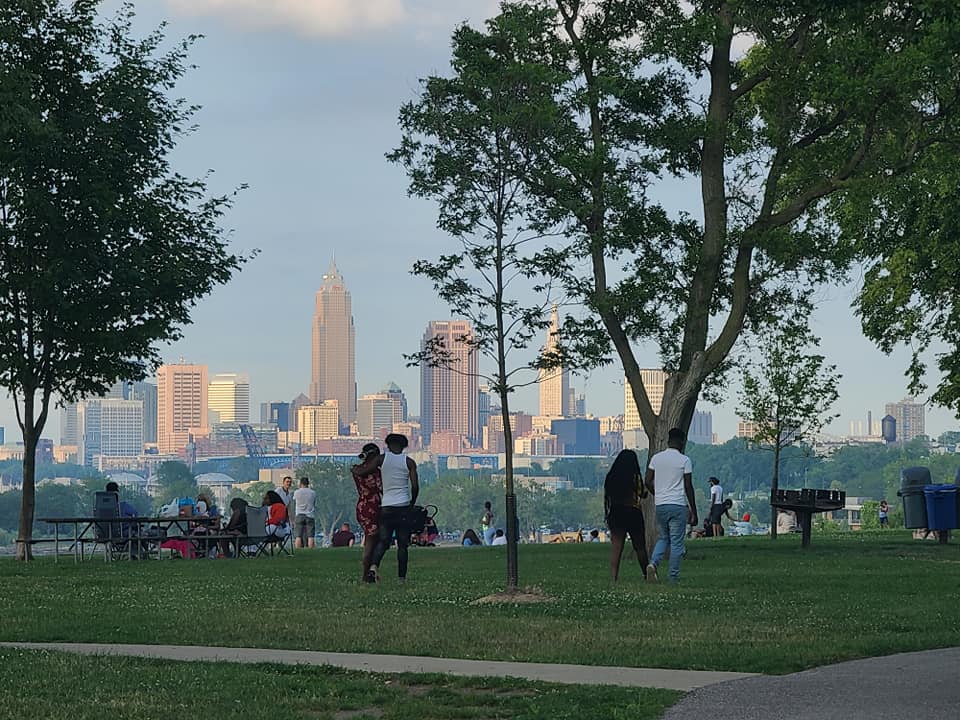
(400, 489)
(369, 494)
(716, 505)
(305, 517)
(670, 479)
(486, 524)
(622, 493)
(883, 514)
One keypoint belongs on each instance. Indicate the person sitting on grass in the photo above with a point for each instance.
(499, 538)
(471, 539)
(278, 523)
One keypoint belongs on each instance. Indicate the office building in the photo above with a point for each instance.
(654, 382)
(146, 393)
(377, 414)
(277, 413)
(181, 405)
(493, 438)
(909, 417)
(318, 422)
(68, 424)
(108, 428)
(701, 428)
(228, 398)
(394, 391)
(449, 391)
(554, 383)
(577, 436)
(334, 357)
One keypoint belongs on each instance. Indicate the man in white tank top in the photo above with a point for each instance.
(400, 489)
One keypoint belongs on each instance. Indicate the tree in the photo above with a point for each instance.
(462, 146)
(176, 480)
(787, 394)
(104, 249)
(336, 493)
(788, 140)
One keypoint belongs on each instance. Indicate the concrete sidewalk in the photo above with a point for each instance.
(684, 680)
(910, 685)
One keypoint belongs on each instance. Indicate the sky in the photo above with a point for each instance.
(299, 102)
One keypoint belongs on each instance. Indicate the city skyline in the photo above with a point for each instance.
(312, 154)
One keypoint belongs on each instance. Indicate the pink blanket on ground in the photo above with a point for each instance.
(184, 547)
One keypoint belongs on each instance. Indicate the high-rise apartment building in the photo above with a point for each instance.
(377, 414)
(334, 359)
(181, 404)
(554, 383)
(910, 418)
(228, 398)
(449, 394)
(318, 422)
(701, 428)
(109, 427)
(654, 382)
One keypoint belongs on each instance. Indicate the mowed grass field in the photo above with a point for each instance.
(744, 604)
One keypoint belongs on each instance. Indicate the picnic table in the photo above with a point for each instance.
(805, 502)
(134, 532)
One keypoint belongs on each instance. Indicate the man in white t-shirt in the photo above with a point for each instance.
(305, 523)
(670, 479)
(499, 538)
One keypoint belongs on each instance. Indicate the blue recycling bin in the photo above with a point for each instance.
(941, 506)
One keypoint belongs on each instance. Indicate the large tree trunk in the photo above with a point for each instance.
(676, 411)
(31, 436)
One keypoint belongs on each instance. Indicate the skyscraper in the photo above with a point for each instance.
(449, 394)
(554, 382)
(909, 416)
(181, 404)
(654, 382)
(147, 393)
(376, 414)
(334, 359)
(229, 398)
(109, 427)
(68, 424)
(318, 422)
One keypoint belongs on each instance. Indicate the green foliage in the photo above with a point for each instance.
(336, 494)
(104, 249)
(175, 480)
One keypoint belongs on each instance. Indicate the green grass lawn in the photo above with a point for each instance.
(745, 604)
(61, 686)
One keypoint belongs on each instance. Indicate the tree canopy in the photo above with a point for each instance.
(104, 248)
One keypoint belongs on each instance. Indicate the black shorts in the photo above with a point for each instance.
(627, 519)
(716, 514)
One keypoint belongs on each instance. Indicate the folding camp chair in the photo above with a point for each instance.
(106, 508)
(256, 540)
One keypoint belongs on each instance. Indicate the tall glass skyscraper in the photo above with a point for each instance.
(334, 355)
(449, 393)
(555, 382)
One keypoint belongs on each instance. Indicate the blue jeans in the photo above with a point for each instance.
(672, 524)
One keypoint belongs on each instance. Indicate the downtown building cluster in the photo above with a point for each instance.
(190, 414)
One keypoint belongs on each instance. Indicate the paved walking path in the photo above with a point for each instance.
(684, 680)
(920, 684)
(909, 685)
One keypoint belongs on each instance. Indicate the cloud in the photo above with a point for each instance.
(307, 17)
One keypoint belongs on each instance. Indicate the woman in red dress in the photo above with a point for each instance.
(369, 494)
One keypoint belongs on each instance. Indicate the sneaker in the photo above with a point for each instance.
(652, 573)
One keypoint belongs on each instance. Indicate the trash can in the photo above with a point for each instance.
(941, 501)
(914, 507)
(913, 476)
